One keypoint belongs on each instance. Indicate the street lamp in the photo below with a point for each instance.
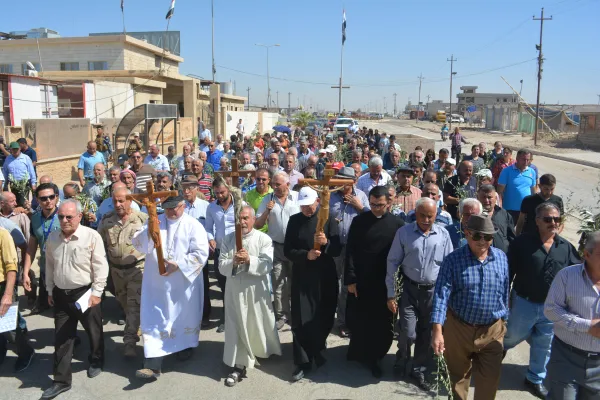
(267, 46)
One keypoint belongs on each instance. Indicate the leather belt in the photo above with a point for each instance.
(455, 315)
(128, 266)
(582, 353)
(425, 286)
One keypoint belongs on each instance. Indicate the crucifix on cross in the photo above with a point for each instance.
(322, 186)
(148, 199)
(235, 174)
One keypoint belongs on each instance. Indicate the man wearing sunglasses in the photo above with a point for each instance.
(76, 268)
(471, 303)
(43, 222)
(213, 156)
(20, 167)
(534, 260)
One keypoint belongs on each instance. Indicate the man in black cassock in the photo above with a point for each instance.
(314, 282)
(369, 319)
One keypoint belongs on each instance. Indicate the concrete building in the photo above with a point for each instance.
(589, 129)
(150, 74)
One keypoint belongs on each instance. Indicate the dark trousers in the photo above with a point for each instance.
(456, 152)
(18, 336)
(207, 308)
(221, 279)
(515, 215)
(66, 317)
(415, 327)
(571, 374)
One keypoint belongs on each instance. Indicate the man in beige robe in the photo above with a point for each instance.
(249, 318)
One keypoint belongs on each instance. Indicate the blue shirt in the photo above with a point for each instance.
(344, 213)
(442, 217)
(517, 186)
(219, 222)
(41, 228)
(420, 256)
(14, 230)
(87, 162)
(476, 291)
(19, 168)
(197, 210)
(214, 158)
(363, 166)
(457, 235)
(107, 206)
(160, 163)
(30, 152)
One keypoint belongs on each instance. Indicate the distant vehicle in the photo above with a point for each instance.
(331, 123)
(341, 124)
(455, 118)
(311, 126)
(440, 116)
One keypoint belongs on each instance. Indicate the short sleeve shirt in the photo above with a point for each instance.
(517, 186)
(87, 162)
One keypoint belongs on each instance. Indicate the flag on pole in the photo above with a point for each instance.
(343, 27)
(122, 5)
(171, 10)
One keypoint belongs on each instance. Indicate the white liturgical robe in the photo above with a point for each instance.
(171, 306)
(249, 319)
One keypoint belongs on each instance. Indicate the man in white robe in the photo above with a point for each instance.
(250, 330)
(171, 306)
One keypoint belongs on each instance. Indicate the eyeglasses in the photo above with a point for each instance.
(375, 205)
(549, 220)
(46, 198)
(136, 157)
(67, 217)
(478, 236)
(187, 188)
(262, 179)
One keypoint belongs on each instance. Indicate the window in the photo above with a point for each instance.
(69, 66)
(24, 68)
(97, 65)
(505, 100)
(5, 68)
(157, 61)
(497, 100)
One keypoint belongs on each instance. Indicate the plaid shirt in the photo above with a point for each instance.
(476, 291)
(457, 139)
(497, 168)
(408, 198)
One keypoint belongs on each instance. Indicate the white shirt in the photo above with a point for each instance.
(204, 134)
(279, 215)
(197, 209)
(240, 128)
(366, 183)
(160, 163)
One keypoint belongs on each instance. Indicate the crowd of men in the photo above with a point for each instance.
(461, 262)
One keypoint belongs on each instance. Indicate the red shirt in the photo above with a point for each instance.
(499, 165)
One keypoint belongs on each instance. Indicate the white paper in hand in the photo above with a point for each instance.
(84, 301)
(8, 322)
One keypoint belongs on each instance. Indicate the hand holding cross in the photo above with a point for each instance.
(148, 199)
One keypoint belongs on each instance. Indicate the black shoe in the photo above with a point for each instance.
(344, 332)
(55, 390)
(205, 324)
(39, 308)
(280, 323)
(538, 389)
(300, 371)
(320, 360)
(419, 377)
(23, 362)
(77, 341)
(2, 353)
(376, 370)
(121, 321)
(93, 372)
(184, 355)
(400, 368)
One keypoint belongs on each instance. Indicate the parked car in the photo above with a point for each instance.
(341, 124)
(455, 118)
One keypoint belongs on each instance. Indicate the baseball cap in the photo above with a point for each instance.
(136, 134)
(322, 151)
(451, 161)
(306, 196)
(14, 145)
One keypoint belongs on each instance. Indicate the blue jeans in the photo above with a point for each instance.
(526, 321)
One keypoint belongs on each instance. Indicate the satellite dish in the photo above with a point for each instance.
(30, 66)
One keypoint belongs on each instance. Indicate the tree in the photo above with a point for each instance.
(302, 119)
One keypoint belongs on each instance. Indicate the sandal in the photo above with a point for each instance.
(147, 373)
(234, 377)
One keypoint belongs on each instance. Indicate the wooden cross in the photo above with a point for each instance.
(235, 174)
(322, 187)
(148, 199)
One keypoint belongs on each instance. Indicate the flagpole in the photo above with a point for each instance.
(341, 80)
(123, 15)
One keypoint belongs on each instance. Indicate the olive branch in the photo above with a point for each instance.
(442, 377)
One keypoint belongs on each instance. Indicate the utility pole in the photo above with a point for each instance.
(289, 106)
(395, 111)
(419, 103)
(212, 18)
(268, 75)
(248, 90)
(277, 92)
(428, 97)
(521, 90)
(384, 106)
(540, 62)
(598, 99)
(452, 73)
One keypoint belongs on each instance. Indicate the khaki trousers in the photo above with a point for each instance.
(474, 350)
(128, 290)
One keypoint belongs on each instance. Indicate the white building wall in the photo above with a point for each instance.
(53, 54)
(250, 119)
(108, 100)
(24, 99)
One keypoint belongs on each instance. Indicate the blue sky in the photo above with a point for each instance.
(389, 43)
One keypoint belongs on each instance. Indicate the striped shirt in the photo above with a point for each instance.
(476, 291)
(572, 303)
(409, 198)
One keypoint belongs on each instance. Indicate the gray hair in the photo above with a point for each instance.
(542, 208)
(250, 210)
(75, 202)
(591, 241)
(164, 174)
(376, 161)
(120, 190)
(115, 168)
(357, 151)
(425, 201)
(471, 203)
(202, 153)
(224, 158)
(101, 163)
(283, 174)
